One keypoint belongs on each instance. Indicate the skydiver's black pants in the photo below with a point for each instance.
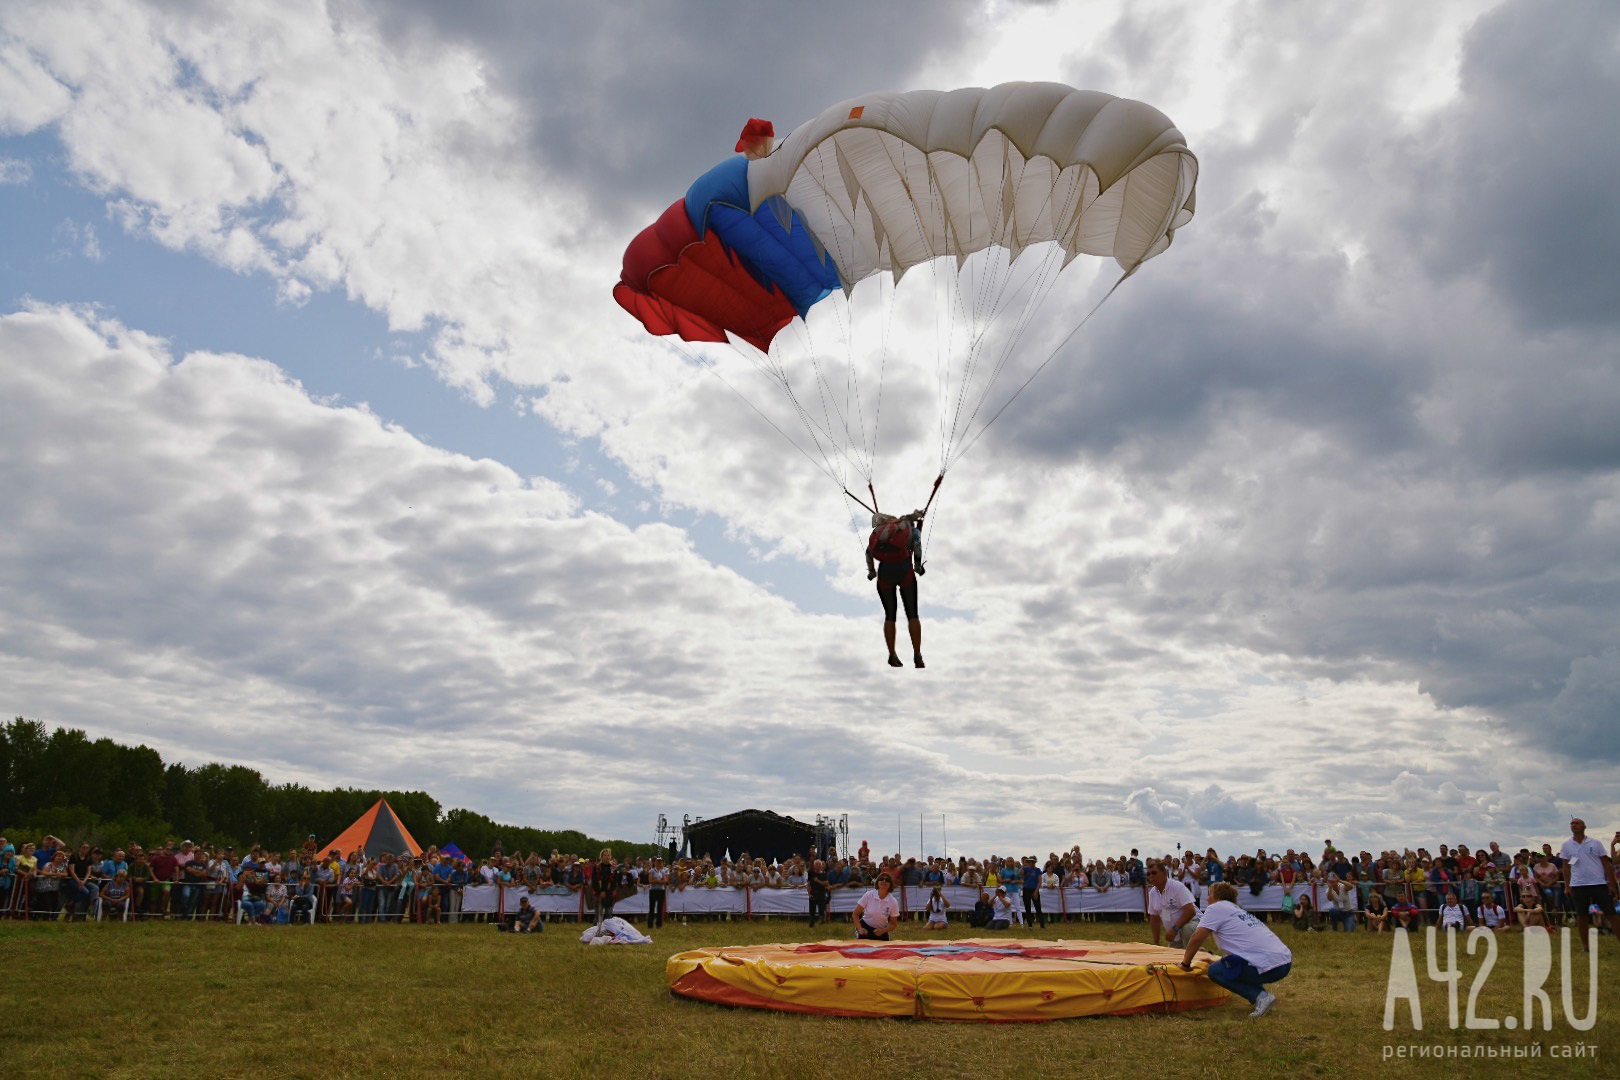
(908, 596)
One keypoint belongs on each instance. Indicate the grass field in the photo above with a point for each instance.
(171, 1000)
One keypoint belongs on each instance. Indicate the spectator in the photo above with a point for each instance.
(979, 917)
(80, 891)
(48, 883)
(1342, 904)
(8, 874)
(367, 909)
(1550, 882)
(1304, 916)
(388, 881)
(820, 890)
(253, 891)
(277, 902)
(305, 895)
(193, 884)
(1453, 916)
(1528, 912)
(1032, 892)
(1377, 913)
(935, 909)
(1002, 911)
(165, 867)
(115, 895)
(603, 882)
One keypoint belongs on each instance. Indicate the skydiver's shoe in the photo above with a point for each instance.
(917, 659)
(894, 661)
(1263, 1003)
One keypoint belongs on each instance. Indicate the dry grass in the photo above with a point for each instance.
(164, 999)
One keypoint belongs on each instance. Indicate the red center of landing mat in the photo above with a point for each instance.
(967, 950)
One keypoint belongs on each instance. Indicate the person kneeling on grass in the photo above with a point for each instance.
(1001, 910)
(878, 912)
(1254, 955)
(527, 919)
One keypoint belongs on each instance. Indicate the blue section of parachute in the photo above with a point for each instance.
(773, 242)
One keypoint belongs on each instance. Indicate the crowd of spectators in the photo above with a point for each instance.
(1461, 885)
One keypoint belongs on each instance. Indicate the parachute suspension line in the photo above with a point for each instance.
(862, 463)
(823, 465)
(772, 370)
(778, 373)
(1041, 285)
(988, 299)
(883, 368)
(834, 212)
(1049, 358)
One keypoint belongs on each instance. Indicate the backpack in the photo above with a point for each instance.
(891, 542)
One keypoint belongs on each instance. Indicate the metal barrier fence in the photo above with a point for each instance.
(218, 901)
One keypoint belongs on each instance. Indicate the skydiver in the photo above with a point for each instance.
(894, 561)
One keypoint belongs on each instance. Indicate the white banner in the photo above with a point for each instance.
(697, 900)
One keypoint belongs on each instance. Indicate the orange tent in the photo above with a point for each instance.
(374, 832)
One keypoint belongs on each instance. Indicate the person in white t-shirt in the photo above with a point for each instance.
(1254, 955)
(936, 907)
(1588, 880)
(1170, 907)
(878, 911)
(1453, 916)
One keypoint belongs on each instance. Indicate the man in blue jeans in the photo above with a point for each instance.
(1254, 955)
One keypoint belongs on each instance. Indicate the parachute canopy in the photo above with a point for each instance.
(965, 182)
(888, 181)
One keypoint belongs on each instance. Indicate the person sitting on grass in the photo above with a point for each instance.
(527, 919)
(1255, 957)
(1453, 916)
(1303, 915)
(1528, 911)
(1377, 913)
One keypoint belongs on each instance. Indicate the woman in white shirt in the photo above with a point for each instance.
(878, 911)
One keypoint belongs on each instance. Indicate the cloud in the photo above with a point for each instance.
(1516, 184)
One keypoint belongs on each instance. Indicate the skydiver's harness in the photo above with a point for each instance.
(891, 544)
(890, 547)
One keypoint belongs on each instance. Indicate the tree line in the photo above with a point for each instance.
(62, 783)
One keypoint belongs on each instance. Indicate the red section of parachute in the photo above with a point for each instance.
(678, 283)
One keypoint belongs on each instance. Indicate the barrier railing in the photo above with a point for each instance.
(219, 901)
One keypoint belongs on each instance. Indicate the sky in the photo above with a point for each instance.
(326, 449)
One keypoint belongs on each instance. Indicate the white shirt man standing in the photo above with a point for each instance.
(1588, 880)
